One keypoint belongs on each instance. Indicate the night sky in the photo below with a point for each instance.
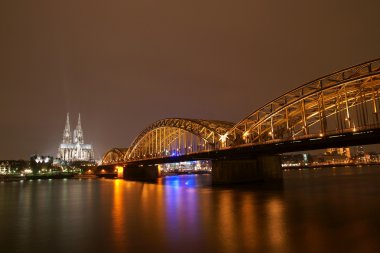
(124, 64)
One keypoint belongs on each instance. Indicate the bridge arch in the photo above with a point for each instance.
(114, 155)
(177, 136)
(344, 101)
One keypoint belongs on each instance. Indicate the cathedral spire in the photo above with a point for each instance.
(79, 123)
(67, 133)
(68, 121)
(78, 132)
(72, 147)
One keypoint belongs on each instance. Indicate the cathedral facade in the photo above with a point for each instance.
(73, 148)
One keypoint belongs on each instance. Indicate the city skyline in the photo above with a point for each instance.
(128, 65)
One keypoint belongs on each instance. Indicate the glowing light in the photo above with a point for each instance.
(245, 134)
(28, 171)
(120, 171)
(223, 138)
(38, 159)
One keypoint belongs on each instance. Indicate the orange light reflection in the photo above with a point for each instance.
(276, 226)
(118, 215)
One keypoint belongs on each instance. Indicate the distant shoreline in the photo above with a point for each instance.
(33, 177)
(10, 178)
(312, 166)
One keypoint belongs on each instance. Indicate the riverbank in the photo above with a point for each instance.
(326, 165)
(39, 176)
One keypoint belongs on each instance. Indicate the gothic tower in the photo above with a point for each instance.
(66, 132)
(74, 149)
(78, 133)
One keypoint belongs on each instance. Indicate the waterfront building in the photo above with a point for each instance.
(73, 148)
(289, 160)
(40, 163)
(13, 166)
(346, 152)
(360, 151)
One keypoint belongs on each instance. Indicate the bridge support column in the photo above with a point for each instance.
(265, 168)
(141, 172)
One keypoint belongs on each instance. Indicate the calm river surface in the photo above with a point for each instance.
(324, 210)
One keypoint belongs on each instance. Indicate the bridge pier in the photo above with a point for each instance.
(265, 168)
(141, 172)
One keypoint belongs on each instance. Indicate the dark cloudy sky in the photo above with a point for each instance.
(124, 64)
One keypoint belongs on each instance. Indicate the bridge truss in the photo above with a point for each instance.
(342, 102)
(172, 137)
(115, 155)
(345, 101)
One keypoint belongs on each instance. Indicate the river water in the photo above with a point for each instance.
(323, 210)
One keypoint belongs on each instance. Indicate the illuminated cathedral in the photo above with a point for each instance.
(72, 147)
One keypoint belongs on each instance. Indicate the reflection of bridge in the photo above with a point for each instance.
(335, 110)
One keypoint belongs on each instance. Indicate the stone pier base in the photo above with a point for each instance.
(265, 168)
(141, 173)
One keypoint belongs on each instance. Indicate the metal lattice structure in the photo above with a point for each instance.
(344, 101)
(173, 137)
(115, 155)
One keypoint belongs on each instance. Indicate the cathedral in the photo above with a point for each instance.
(72, 147)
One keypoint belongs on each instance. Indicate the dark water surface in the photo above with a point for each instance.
(325, 210)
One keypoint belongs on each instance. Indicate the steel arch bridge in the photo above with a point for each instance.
(172, 137)
(115, 155)
(346, 101)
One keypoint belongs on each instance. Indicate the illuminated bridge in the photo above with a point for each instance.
(336, 110)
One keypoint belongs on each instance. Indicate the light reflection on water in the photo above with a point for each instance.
(117, 218)
(325, 210)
